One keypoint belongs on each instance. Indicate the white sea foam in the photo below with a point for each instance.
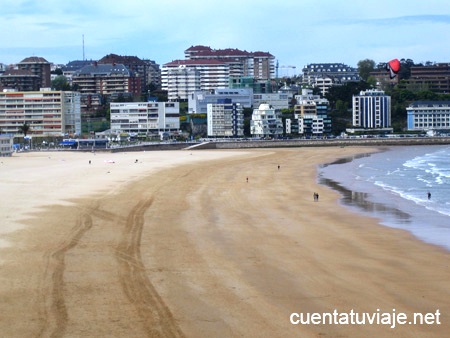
(404, 183)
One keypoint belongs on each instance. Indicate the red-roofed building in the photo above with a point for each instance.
(183, 77)
(259, 65)
(207, 69)
(38, 66)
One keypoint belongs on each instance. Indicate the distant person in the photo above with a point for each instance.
(429, 195)
(278, 167)
(247, 179)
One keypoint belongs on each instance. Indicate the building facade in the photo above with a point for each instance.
(259, 65)
(214, 69)
(435, 78)
(106, 79)
(38, 66)
(265, 122)
(6, 145)
(371, 109)
(199, 100)
(20, 80)
(225, 119)
(312, 117)
(325, 75)
(182, 77)
(277, 101)
(145, 118)
(52, 113)
(428, 115)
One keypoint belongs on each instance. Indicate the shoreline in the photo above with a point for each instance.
(179, 246)
(391, 210)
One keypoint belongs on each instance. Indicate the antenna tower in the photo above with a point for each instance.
(83, 49)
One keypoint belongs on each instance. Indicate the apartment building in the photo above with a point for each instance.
(265, 122)
(20, 80)
(211, 69)
(428, 115)
(225, 119)
(325, 75)
(259, 65)
(199, 100)
(106, 79)
(145, 118)
(277, 101)
(6, 145)
(31, 74)
(46, 112)
(37, 66)
(372, 109)
(435, 78)
(182, 77)
(147, 70)
(312, 117)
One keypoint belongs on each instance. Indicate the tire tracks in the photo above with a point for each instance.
(55, 310)
(156, 317)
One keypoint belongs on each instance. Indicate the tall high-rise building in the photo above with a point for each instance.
(211, 69)
(372, 109)
(265, 122)
(46, 112)
(225, 119)
(37, 66)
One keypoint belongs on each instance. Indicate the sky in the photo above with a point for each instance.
(296, 32)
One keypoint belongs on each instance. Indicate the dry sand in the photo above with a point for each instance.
(180, 244)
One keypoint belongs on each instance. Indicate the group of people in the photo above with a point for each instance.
(316, 197)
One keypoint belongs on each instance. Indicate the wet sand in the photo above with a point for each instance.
(180, 244)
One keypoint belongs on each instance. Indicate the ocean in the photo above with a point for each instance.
(406, 187)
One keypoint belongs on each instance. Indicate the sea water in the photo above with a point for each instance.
(406, 187)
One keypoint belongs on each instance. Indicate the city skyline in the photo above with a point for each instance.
(297, 33)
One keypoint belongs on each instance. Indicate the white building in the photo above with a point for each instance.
(311, 113)
(182, 77)
(372, 109)
(259, 65)
(6, 145)
(276, 100)
(265, 122)
(46, 112)
(225, 119)
(198, 100)
(428, 115)
(325, 75)
(145, 118)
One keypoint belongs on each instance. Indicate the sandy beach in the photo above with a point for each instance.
(181, 244)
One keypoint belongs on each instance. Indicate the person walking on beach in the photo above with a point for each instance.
(429, 195)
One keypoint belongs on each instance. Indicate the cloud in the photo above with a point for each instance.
(296, 32)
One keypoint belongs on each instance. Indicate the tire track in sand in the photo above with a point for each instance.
(156, 317)
(55, 311)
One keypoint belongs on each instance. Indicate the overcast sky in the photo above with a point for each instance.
(296, 32)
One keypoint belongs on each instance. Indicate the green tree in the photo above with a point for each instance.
(345, 92)
(365, 67)
(405, 69)
(24, 129)
(60, 83)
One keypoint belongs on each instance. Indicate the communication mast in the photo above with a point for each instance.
(83, 49)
